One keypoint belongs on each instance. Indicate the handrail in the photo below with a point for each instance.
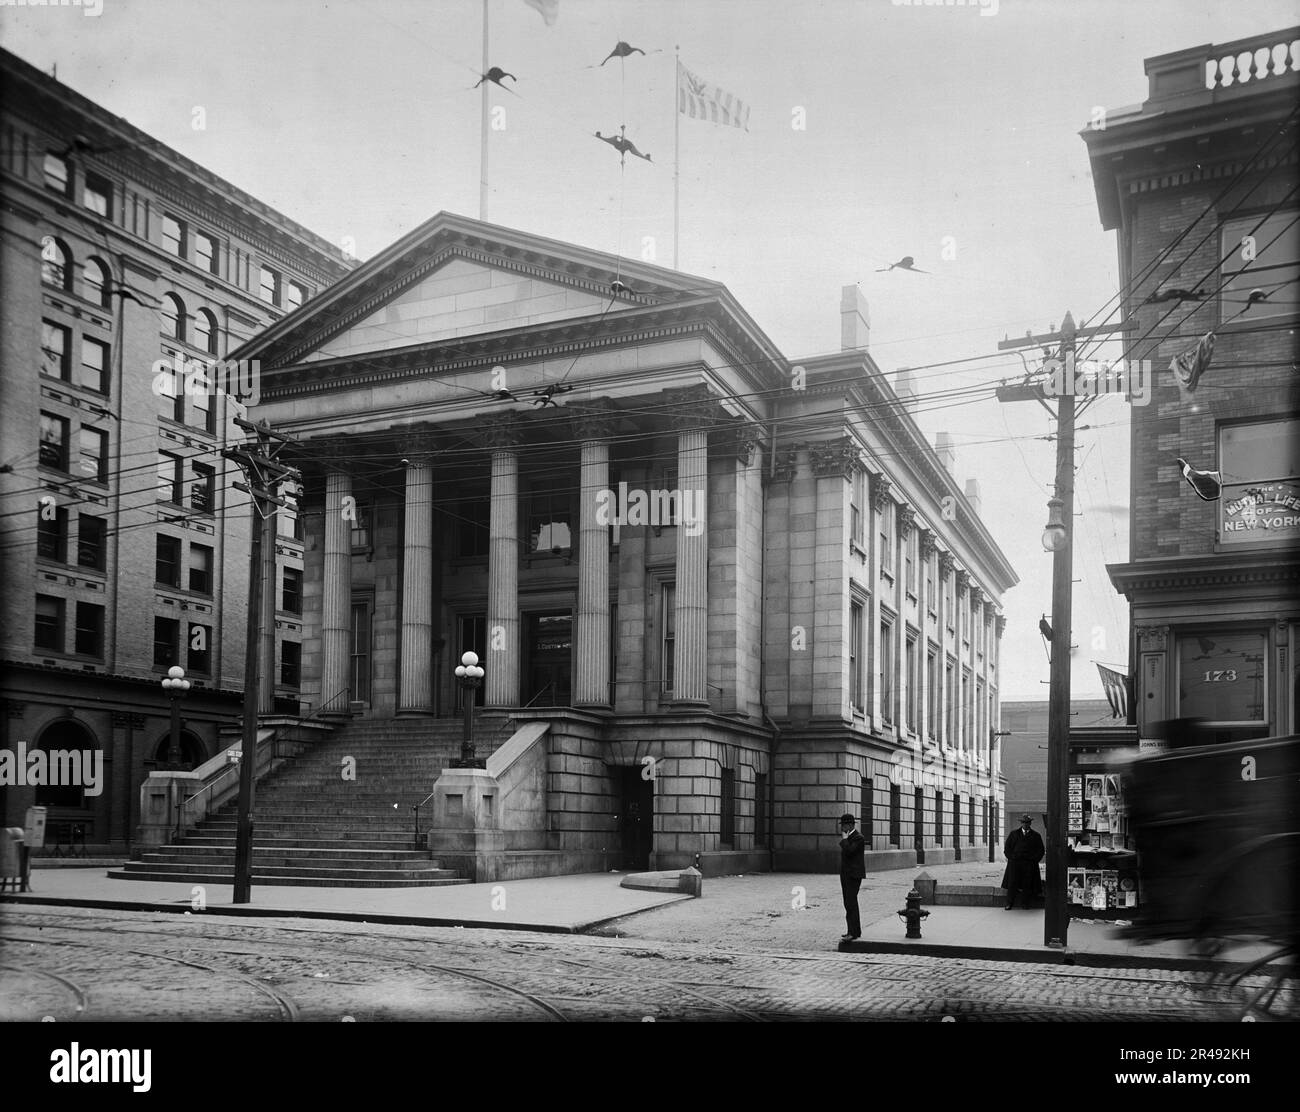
(416, 809)
(543, 691)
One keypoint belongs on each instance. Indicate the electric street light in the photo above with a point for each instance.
(470, 677)
(176, 685)
(1055, 537)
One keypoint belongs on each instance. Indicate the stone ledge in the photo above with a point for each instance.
(669, 880)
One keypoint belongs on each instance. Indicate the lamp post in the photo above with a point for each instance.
(470, 677)
(175, 684)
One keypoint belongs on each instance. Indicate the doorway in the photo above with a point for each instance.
(635, 818)
(548, 663)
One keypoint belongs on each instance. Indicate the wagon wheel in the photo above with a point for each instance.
(1277, 998)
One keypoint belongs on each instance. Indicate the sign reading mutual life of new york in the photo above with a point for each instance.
(1269, 511)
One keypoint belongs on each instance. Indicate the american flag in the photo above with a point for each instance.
(1115, 684)
(701, 101)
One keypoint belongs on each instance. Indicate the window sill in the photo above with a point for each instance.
(854, 546)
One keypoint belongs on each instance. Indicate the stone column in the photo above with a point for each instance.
(925, 554)
(692, 413)
(336, 601)
(833, 463)
(415, 695)
(501, 684)
(946, 567)
(963, 613)
(593, 424)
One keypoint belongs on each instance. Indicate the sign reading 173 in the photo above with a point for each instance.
(1221, 675)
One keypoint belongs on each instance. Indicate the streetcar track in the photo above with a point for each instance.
(81, 996)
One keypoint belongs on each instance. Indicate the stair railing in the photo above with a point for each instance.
(415, 808)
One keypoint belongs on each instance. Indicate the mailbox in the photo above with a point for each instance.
(34, 828)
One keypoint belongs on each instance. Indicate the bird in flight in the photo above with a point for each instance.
(623, 146)
(495, 74)
(622, 50)
(1207, 484)
(905, 263)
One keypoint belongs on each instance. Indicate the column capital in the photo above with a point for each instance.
(840, 457)
(738, 440)
(947, 562)
(963, 579)
(592, 420)
(417, 447)
(976, 596)
(880, 488)
(906, 519)
(928, 542)
(785, 466)
(1001, 623)
(501, 430)
(690, 407)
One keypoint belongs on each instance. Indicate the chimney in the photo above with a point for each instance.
(946, 452)
(973, 494)
(855, 322)
(905, 388)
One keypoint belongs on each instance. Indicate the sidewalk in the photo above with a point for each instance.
(777, 912)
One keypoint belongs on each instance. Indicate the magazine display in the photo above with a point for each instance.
(1101, 876)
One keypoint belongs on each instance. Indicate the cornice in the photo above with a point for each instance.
(1180, 574)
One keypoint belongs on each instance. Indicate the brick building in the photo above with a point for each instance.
(1199, 181)
(724, 595)
(125, 550)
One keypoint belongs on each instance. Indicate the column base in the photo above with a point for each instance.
(414, 712)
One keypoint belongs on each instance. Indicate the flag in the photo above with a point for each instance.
(549, 9)
(1188, 367)
(1115, 684)
(701, 101)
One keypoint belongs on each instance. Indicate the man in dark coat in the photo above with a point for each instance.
(853, 868)
(1023, 850)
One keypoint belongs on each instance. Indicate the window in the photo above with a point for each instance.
(981, 727)
(909, 557)
(918, 816)
(173, 236)
(1260, 465)
(55, 346)
(294, 295)
(887, 536)
(938, 818)
(91, 534)
(727, 833)
(94, 365)
(88, 635)
(167, 561)
(201, 484)
(198, 656)
(361, 622)
(203, 416)
(49, 623)
(166, 642)
(1223, 676)
(56, 263)
(895, 816)
(288, 522)
(887, 672)
(93, 444)
(170, 388)
(291, 596)
(1275, 267)
(855, 655)
(269, 288)
(52, 533)
(54, 441)
(967, 710)
(868, 817)
(912, 663)
(956, 819)
(56, 175)
(205, 252)
(361, 529)
(549, 520)
(97, 195)
(931, 595)
(932, 690)
(290, 663)
(200, 579)
(472, 527)
(205, 331)
(169, 478)
(950, 719)
(949, 604)
(857, 508)
(96, 282)
(668, 623)
(173, 317)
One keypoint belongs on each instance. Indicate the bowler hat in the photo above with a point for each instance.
(1027, 818)
(846, 817)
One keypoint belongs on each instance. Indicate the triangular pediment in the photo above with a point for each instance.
(463, 297)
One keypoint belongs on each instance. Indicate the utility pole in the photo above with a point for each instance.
(1058, 539)
(265, 474)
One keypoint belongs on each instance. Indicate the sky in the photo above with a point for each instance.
(876, 130)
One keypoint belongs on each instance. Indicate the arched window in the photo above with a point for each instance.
(69, 750)
(205, 331)
(56, 263)
(96, 282)
(191, 750)
(173, 316)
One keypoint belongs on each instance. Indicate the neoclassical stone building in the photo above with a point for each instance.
(727, 595)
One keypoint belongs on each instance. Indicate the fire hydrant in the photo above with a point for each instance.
(913, 913)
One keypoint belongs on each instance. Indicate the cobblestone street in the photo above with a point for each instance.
(92, 965)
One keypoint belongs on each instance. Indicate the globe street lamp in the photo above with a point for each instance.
(175, 685)
(1055, 536)
(470, 677)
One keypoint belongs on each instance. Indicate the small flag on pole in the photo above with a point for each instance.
(701, 101)
(549, 9)
(1188, 367)
(1115, 684)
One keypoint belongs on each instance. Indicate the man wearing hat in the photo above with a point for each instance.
(853, 869)
(1024, 849)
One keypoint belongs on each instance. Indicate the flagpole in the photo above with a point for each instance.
(677, 149)
(483, 127)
